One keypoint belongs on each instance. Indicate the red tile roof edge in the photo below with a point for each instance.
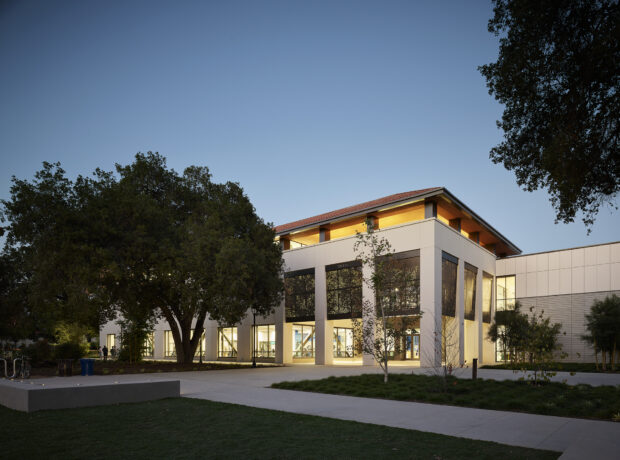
(353, 209)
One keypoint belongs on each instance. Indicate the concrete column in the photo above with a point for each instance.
(211, 339)
(430, 306)
(479, 350)
(280, 322)
(158, 343)
(244, 339)
(460, 309)
(287, 343)
(368, 318)
(323, 339)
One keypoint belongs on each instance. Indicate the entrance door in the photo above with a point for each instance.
(412, 346)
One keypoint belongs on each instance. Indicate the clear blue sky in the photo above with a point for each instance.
(310, 105)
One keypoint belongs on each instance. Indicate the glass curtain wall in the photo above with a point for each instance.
(470, 292)
(505, 300)
(265, 341)
(227, 342)
(148, 348)
(303, 341)
(169, 348)
(343, 343)
(449, 266)
(201, 345)
(401, 292)
(344, 290)
(412, 346)
(299, 295)
(487, 297)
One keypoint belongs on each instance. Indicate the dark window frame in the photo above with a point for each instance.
(469, 308)
(448, 299)
(301, 291)
(344, 300)
(486, 315)
(411, 289)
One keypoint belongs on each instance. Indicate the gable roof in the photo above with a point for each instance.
(355, 209)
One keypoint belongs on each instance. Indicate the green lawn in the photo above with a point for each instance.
(191, 428)
(561, 367)
(548, 399)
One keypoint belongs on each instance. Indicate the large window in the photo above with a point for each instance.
(227, 342)
(470, 291)
(147, 349)
(299, 295)
(343, 342)
(303, 341)
(110, 341)
(265, 341)
(201, 345)
(169, 348)
(504, 300)
(344, 290)
(449, 266)
(487, 297)
(400, 294)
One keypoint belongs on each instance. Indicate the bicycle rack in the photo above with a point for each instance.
(15, 373)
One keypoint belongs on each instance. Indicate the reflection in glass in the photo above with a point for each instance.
(303, 341)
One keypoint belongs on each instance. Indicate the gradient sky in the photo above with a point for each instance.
(310, 106)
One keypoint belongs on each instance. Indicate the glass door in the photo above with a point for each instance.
(412, 346)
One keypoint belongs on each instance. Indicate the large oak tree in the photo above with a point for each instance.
(558, 75)
(149, 243)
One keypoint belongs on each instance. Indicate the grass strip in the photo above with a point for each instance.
(584, 401)
(191, 428)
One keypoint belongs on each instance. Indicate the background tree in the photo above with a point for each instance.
(50, 240)
(16, 320)
(603, 326)
(528, 341)
(558, 75)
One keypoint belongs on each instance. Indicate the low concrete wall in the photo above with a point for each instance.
(28, 399)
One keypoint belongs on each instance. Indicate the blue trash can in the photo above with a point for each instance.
(90, 366)
(84, 366)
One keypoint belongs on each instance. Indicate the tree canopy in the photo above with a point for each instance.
(147, 242)
(558, 75)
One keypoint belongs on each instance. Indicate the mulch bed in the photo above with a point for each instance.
(117, 367)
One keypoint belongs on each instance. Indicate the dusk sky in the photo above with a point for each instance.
(311, 106)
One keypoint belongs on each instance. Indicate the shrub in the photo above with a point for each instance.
(70, 350)
(39, 352)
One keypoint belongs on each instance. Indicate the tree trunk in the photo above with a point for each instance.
(613, 358)
(604, 359)
(385, 345)
(596, 355)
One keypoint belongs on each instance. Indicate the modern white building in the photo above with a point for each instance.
(461, 270)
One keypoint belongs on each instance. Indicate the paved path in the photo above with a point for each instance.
(576, 438)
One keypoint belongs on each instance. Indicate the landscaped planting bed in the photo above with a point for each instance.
(601, 402)
(558, 367)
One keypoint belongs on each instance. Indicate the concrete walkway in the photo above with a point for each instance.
(576, 438)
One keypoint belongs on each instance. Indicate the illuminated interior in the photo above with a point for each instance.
(448, 212)
(303, 341)
(265, 341)
(169, 348)
(227, 342)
